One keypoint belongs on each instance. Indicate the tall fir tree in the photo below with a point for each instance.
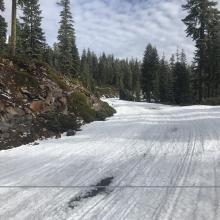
(181, 83)
(102, 69)
(156, 87)
(68, 52)
(213, 57)
(13, 37)
(149, 72)
(3, 29)
(85, 70)
(136, 79)
(201, 13)
(2, 5)
(19, 48)
(32, 36)
(164, 81)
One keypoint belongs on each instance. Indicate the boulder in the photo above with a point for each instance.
(70, 133)
(39, 106)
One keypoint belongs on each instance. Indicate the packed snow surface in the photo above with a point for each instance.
(151, 161)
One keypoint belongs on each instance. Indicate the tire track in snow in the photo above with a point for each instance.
(138, 163)
(172, 195)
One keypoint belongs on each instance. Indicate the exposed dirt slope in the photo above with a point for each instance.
(37, 102)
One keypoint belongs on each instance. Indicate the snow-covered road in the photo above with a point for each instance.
(156, 161)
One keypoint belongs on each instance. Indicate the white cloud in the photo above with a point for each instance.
(121, 27)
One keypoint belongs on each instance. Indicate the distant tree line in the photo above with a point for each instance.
(106, 70)
(154, 79)
(163, 81)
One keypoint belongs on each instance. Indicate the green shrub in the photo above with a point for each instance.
(23, 78)
(79, 105)
(58, 122)
(105, 112)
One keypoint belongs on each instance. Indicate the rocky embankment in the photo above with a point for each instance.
(36, 102)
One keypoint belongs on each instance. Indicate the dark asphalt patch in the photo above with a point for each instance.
(100, 188)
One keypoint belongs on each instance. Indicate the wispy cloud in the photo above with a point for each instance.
(123, 27)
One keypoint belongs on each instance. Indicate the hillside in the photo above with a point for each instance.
(37, 102)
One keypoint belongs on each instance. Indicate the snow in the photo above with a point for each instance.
(164, 160)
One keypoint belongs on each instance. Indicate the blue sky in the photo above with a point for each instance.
(121, 27)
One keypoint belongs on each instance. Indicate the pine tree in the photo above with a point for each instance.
(75, 60)
(102, 69)
(181, 83)
(3, 28)
(19, 47)
(136, 74)
(216, 65)
(213, 55)
(2, 5)
(13, 27)
(163, 81)
(95, 67)
(156, 88)
(200, 14)
(56, 53)
(48, 55)
(170, 86)
(68, 52)
(172, 62)
(13, 36)
(85, 71)
(149, 71)
(32, 36)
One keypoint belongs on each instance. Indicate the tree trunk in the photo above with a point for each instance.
(13, 27)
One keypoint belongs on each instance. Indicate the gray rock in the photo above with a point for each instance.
(70, 133)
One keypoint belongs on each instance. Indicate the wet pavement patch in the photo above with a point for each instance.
(174, 129)
(100, 188)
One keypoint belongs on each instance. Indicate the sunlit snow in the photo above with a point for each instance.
(161, 162)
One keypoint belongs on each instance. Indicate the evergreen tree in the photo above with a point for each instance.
(181, 84)
(19, 47)
(156, 87)
(85, 70)
(213, 55)
(56, 53)
(172, 62)
(170, 86)
(127, 76)
(149, 71)
(95, 67)
(13, 27)
(48, 55)
(201, 13)
(2, 5)
(216, 65)
(164, 81)
(136, 79)
(68, 52)
(32, 36)
(102, 69)
(13, 36)
(170, 80)
(3, 28)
